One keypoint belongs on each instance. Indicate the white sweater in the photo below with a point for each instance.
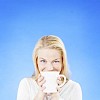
(28, 88)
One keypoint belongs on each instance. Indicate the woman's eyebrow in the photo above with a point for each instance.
(57, 59)
(41, 58)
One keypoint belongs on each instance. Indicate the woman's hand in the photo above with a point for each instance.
(59, 82)
(40, 95)
(55, 96)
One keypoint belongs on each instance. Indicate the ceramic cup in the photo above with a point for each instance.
(51, 81)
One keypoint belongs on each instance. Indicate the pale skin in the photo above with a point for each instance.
(48, 60)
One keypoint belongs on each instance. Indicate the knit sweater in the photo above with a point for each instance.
(28, 88)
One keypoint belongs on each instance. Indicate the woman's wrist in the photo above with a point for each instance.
(39, 96)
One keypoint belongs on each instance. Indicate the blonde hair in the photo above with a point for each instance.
(52, 42)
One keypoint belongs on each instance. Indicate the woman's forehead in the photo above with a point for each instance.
(45, 53)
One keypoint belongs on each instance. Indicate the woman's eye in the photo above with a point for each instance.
(56, 61)
(42, 61)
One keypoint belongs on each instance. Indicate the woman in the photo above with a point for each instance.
(49, 55)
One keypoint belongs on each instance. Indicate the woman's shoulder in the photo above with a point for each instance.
(27, 81)
(72, 84)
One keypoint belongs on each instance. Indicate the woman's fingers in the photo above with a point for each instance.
(59, 89)
(59, 82)
(40, 78)
(41, 81)
(42, 88)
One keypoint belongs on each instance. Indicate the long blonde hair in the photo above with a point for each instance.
(52, 42)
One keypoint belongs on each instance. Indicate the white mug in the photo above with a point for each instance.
(51, 81)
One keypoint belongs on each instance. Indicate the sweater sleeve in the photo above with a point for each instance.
(23, 90)
(77, 93)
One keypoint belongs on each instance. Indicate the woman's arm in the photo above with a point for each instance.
(77, 93)
(23, 90)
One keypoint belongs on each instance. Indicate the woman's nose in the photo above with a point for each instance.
(49, 67)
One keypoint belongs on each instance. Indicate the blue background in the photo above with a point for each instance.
(23, 22)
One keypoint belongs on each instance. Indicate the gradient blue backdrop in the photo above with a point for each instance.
(23, 22)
